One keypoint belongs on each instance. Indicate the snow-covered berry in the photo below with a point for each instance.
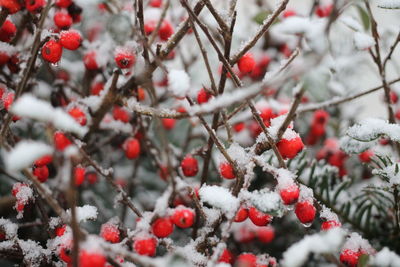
(70, 39)
(290, 194)
(145, 247)
(259, 218)
(183, 217)
(62, 20)
(131, 147)
(162, 227)
(52, 51)
(189, 166)
(226, 170)
(91, 259)
(41, 173)
(61, 142)
(110, 232)
(289, 148)
(305, 212)
(246, 63)
(78, 115)
(241, 214)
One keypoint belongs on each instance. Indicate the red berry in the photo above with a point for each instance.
(52, 51)
(241, 215)
(8, 99)
(203, 96)
(226, 257)
(7, 31)
(141, 94)
(325, 226)
(63, 3)
(145, 247)
(47, 159)
(61, 141)
(183, 217)
(289, 13)
(189, 166)
(226, 170)
(59, 231)
(259, 218)
(110, 232)
(97, 88)
(150, 26)
(79, 175)
(91, 259)
(305, 212)
(90, 60)
(121, 114)
(2, 235)
(20, 206)
(124, 58)
(246, 260)
(163, 172)
(162, 227)
(320, 117)
(238, 127)
(12, 6)
(246, 63)
(70, 39)
(78, 115)
(16, 187)
(266, 234)
(4, 58)
(62, 20)
(290, 194)
(323, 11)
(366, 156)
(168, 124)
(41, 172)
(393, 97)
(65, 253)
(155, 3)
(131, 147)
(166, 30)
(350, 257)
(266, 113)
(290, 148)
(91, 177)
(35, 6)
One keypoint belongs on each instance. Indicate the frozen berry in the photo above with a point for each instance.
(97, 88)
(65, 253)
(289, 148)
(8, 99)
(78, 115)
(90, 60)
(259, 218)
(241, 215)
(12, 6)
(41, 173)
(162, 227)
(63, 3)
(52, 51)
(366, 156)
(110, 232)
(246, 260)
(59, 231)
(183, 217)
(168, 124)
(166, 30)
(238, 127)
(121, 114)
(91, 259)
(124, 58)
(226, 257)
(79, 175)
(246, 63)
(145, 247)
(189, 166)
(7, 31)
(305, 212)
(71, 39)
(35, 6)
(289, 13)
(226, 170)
(290, 194)
(150, 26)
(155, 3)
(323, 11)
(61, 141)
(326, 225)
(131, 147)
(62, 20)
(265, 234)
(350, 257)
(91, 177)
(47, 159)
(203, 96)
(16, 188)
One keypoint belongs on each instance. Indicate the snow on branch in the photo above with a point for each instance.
(320, 243)
(389, 4)
(25, 153)
(371, 129)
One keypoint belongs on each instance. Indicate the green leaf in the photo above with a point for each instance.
(363, 260)
(364, 17)
(261, 16)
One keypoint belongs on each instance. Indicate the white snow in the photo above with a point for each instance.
(370, 129)
(179, 82)
(320, 243)
(31, 107)
(85, 213)
(10, 229)
(265, 201)
(25, 153)
(363, 41)
(385, 258)
(389, 4)
(355, 242)
(219, 197)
